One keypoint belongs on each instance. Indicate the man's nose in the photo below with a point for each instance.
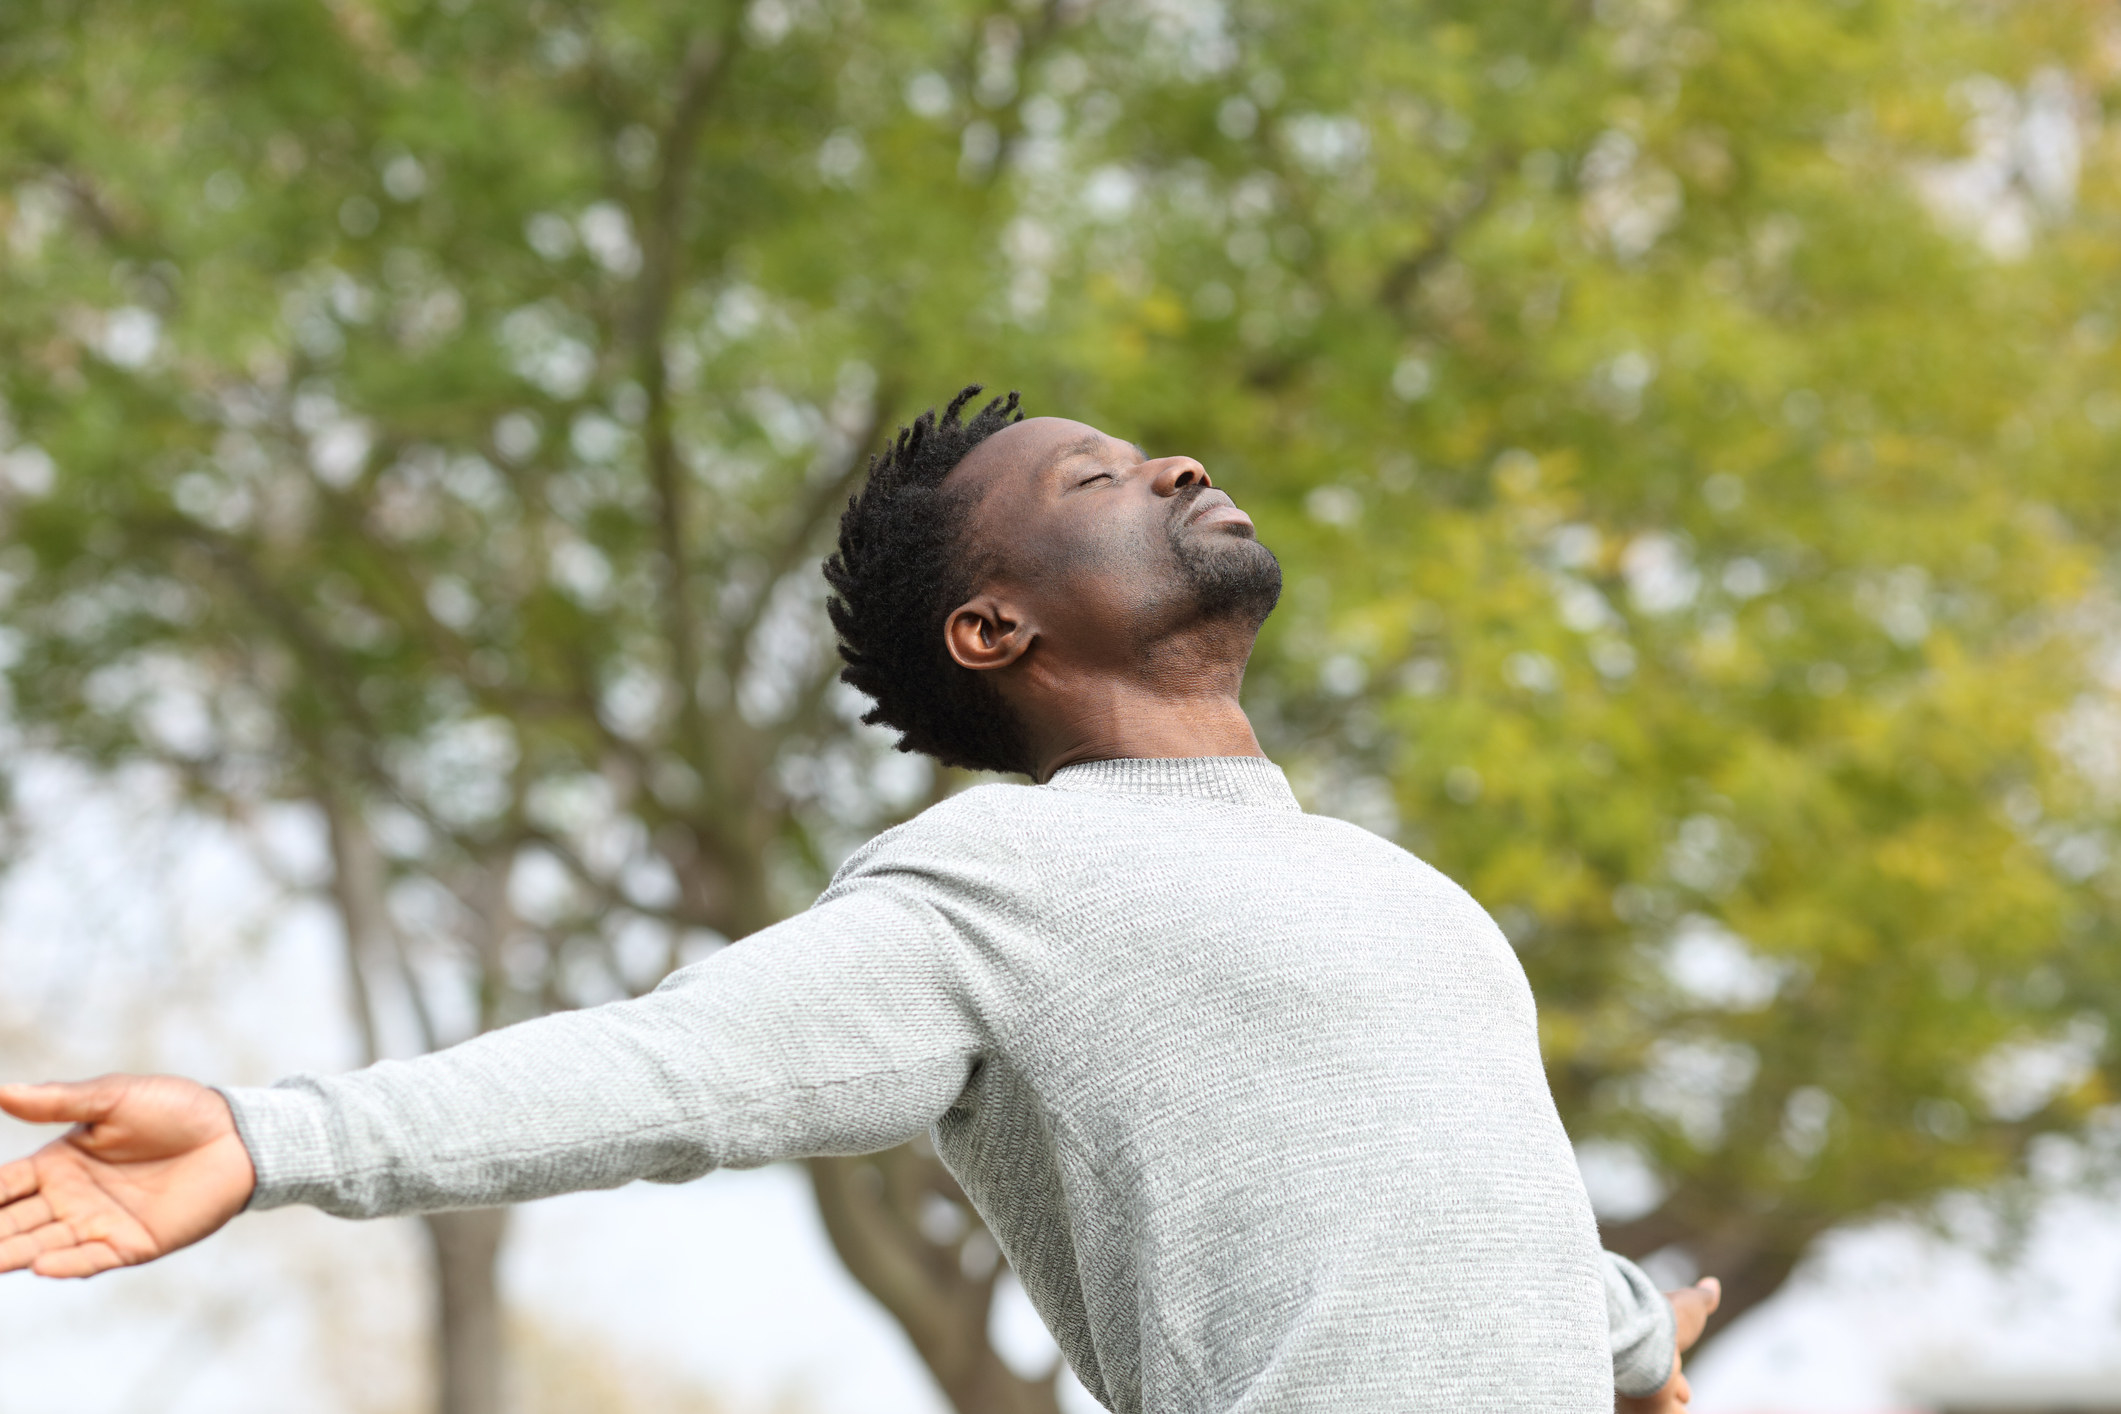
(1175, 474)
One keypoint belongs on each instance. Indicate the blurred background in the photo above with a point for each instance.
(1691, 430)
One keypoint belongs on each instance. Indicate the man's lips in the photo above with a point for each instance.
(1213, 507)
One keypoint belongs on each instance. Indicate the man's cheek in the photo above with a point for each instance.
(1100, 552)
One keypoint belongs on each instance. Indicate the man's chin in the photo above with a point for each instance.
(1232, 576)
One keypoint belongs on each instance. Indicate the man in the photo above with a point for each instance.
(1251, 1099)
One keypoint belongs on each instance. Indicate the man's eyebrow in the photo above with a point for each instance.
(1085, 446)
(1089, 445)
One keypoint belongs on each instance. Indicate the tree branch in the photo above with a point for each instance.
(872, 1209)
(1053, 16)
(353, 893)
(817, 510)
(606, 892)
(706, 60)
(1752, 1255)
(1406, 274)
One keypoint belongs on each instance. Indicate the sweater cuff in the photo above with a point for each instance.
(289, 1140)
(1644, 1329)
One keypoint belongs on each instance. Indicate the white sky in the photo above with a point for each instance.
(131, 937)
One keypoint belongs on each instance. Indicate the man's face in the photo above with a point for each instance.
(1113, 551)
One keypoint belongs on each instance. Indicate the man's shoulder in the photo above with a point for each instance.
(1375, 862)
(973, 810)
(977, 824)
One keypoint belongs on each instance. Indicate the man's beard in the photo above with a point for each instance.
(1230, 578)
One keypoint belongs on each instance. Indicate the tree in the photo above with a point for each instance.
(456, 460)
(434, 412)
(1703, 545)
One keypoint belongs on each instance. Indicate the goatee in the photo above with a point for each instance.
(1230, 578)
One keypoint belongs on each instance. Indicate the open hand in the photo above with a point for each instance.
(152, 1164)
(1691, 1308)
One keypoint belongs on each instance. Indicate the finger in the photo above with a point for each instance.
(25, 1214)
(17, 1179)
(63, 1102)
(85, 1260)
(24, 1248)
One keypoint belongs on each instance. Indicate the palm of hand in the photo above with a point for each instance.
(154, 1164)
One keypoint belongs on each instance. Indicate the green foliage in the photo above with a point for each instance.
(1697, 546)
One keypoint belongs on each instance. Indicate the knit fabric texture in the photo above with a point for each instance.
(1251, 1099)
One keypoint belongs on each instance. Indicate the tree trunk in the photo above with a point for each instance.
(467, 1249)
(1751, 1258)
(905, 1231)
(1749, 1279)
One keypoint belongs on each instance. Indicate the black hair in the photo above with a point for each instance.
(903, 564)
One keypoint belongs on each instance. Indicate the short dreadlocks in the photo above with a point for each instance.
(903, 564)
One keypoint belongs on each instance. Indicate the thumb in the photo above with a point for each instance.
(1692, 1307)
(61, 1102)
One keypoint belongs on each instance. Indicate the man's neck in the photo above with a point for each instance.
(1118, 719)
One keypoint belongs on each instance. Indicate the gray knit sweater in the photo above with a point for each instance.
(1251, 1099)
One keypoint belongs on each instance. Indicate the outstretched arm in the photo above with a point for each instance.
(846, 1029)
(843, 1030)
(152, 1164)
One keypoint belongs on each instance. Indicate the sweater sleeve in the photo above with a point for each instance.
(1642, 1326)
(843, 1030)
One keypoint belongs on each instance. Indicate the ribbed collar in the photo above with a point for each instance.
(1232, 780)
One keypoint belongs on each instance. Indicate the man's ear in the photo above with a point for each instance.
(984, 633)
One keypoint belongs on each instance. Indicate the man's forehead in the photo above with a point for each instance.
(1028, 447)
